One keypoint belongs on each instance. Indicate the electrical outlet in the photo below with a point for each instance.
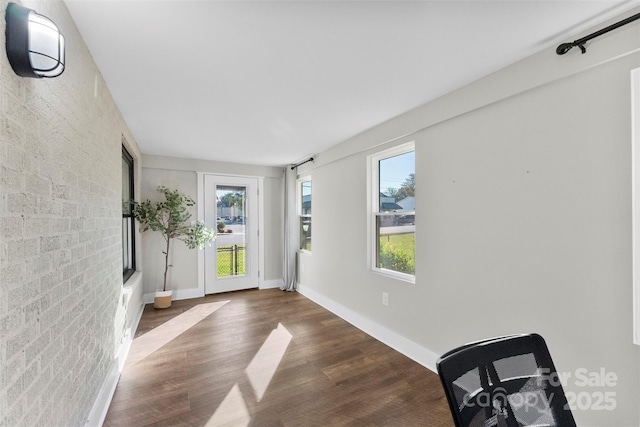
(385, 299)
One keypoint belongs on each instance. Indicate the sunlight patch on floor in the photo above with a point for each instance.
(264, 364)
(155, 339)
(232, 411)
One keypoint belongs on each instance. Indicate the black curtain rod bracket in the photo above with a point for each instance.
(566, 47)
(310, 159)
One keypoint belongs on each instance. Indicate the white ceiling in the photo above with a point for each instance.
(273, 82)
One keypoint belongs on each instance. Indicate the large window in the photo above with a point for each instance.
(128, 221)
(393, 211)
(304, 213)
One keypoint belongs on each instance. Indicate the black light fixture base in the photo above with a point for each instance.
(17, 36)
(35, 47)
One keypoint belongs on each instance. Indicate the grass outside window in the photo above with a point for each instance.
(397, 252)
(231, 260)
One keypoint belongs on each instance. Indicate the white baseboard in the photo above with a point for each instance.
(270, 284)
(123, 351)
(108, 388)
(419, 354)
(178, 294)
(101, 405)
(148, 298)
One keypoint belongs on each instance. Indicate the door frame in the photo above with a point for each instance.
(201, 218)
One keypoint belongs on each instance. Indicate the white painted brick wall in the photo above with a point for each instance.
(60, 236)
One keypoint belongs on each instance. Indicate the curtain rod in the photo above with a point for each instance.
(310, 159)
(566, 47)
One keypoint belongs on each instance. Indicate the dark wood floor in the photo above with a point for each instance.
(220, 369)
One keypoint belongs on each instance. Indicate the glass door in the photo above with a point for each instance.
(231, 207)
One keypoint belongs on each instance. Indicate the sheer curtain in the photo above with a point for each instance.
(290, 230)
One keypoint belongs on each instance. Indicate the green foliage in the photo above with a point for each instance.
(197, 236)
(231, 199)
(171, 218)
(226, 261)
(221, 226)
(409, 186)
(407, 189)
(397, 253)
(168, 217)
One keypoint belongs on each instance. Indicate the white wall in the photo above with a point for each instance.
(184, 273)
(274, 227)
(181, 174)
(523, 220)
(64, 312)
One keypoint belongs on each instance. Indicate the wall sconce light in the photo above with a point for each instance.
(35, 47)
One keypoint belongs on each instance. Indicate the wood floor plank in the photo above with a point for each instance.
(270, 358)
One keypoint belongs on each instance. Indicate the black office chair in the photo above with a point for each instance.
(504, 382)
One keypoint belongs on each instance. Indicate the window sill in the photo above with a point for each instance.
(132, 280)
(408, 278)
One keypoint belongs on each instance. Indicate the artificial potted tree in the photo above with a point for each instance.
(171, 217)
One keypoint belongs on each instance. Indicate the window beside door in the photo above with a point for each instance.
(304, 213)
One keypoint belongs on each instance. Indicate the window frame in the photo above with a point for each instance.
(635, 200)
(128, 272)
(299, 201)
(374, 211)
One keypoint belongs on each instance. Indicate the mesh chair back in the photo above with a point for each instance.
(504, 382)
